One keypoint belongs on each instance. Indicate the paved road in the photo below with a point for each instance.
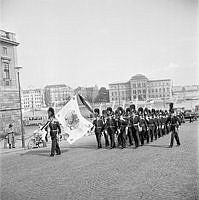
(82, 172)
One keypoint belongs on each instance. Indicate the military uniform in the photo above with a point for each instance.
(111, 127)
(134, 124)
(104, 132)
(122, 131)
(99, 126)
(151, 126)
(174, 122)
(129, 128)
(143, 129)
(55, 130)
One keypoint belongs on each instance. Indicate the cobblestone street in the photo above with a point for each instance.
(153, 171)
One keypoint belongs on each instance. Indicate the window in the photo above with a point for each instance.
(134, 85)
(156, 90)
(143, 84)
(159, 89)
(6, 71)
(163, 89)
(139, 85)
(144, 91)
(167, 89)
(5, 51)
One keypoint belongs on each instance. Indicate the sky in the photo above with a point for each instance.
(88, 42)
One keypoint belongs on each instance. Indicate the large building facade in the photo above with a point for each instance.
(140, 88)
(57, 94)
(32, 99)
(9, 97)
(186, 92)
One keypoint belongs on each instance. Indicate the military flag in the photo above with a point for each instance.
(74, 124)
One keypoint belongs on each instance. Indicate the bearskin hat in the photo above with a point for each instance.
(109, 109)
(128, 110)
(96, 110)
(140, 109)
(132, 107)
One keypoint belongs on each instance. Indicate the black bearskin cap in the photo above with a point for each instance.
(96, 110)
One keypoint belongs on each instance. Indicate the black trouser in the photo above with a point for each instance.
(106, 139)
(147, 136)
(130, 135)
(151, 132)
(155, 132)
(135, 135)
(159, 131)
(55, 146)
(141, 136)
(111, 132)
(174, 134)
(122, 137)
(98, 135)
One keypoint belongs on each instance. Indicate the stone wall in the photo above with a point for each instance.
(9, 100)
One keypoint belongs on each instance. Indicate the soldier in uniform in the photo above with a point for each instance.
(142, 126)
(111, 126)
(104, 117)
(121, 127)
(155, 124)
(55, 131)
(134, 121)
(129, 126)
(147, 134)
(174, 122)
(151, 125)
(99, 127)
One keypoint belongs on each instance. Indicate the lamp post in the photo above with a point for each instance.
(20, 107)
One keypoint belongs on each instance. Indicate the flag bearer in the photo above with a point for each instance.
(55, 130)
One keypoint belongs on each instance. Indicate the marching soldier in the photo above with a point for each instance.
(142, 126)
(99, 127)
(135, 120)
(55, 131)
(104, 117)
(151, 126)
(129, 126)
(111, 126)
(155, 124)
(174, 122)
(121, 127)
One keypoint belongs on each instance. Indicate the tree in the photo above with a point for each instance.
(102, 96)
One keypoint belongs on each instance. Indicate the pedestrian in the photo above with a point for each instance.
(11, 136)
(55, 131)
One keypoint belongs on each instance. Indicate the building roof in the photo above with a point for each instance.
(159, 80)
(138, 77)
(56, 86)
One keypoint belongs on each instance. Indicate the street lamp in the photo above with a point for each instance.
(20, 107)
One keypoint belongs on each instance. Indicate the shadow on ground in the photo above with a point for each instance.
(159, 146)
(39, 152)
